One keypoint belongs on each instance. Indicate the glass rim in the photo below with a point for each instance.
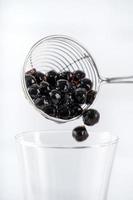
(19, 138)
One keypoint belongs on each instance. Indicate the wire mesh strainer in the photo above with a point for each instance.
(62, 53)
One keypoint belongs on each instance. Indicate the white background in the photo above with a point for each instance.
(106, 28)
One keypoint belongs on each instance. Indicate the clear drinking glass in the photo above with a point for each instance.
(56, 167)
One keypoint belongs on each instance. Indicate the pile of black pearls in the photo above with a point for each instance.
(62, 95)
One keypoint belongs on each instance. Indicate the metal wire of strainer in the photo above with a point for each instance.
(60, 53)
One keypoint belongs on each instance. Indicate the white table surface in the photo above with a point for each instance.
(106, 28)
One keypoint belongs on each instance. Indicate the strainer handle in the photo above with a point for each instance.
(126, 79)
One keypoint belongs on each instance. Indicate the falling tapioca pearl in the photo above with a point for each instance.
(91, 117)
(80, 133)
